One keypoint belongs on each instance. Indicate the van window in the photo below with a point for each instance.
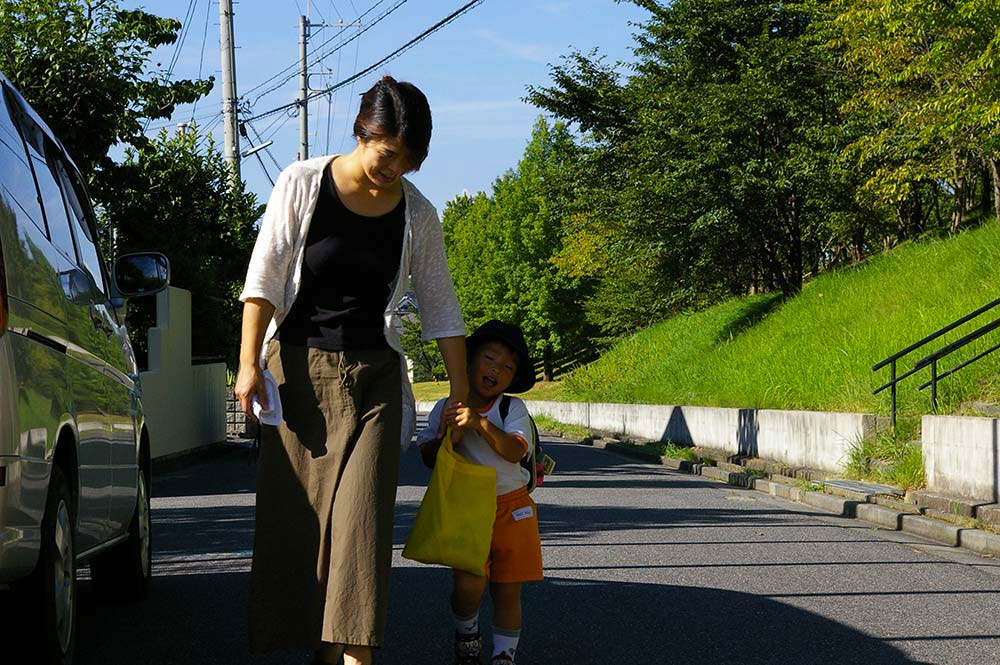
(85, 240)
(41, 155)
(17, 183)
(40, 152)
(52, 199)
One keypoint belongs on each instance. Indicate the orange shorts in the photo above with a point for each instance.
(516, 550)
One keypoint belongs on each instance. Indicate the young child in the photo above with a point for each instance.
(498, 362)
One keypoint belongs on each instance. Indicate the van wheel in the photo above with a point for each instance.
(124, 570)
(54, 579)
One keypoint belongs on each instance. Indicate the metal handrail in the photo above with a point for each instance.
(932, 359)
(930, 338)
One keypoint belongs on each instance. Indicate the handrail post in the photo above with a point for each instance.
(892, 377)
(934, 384)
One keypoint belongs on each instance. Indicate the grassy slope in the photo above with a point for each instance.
(815, 351)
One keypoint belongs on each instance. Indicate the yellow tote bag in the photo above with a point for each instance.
(454, 525)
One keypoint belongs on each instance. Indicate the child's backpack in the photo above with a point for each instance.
(536, 462)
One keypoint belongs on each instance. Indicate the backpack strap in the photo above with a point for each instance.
(504, 407)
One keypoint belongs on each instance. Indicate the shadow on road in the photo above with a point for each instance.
(200, 618)
(196, 613)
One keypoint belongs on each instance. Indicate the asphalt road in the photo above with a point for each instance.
(643, 565)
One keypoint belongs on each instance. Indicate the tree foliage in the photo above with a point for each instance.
(754, 144)
(174, 195)
(82, 64)
(929, 80)
(502, 247)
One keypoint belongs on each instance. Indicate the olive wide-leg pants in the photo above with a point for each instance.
(326, 489)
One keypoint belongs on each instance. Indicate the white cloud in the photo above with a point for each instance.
(557, 8)
(483, 106)
(530, 52)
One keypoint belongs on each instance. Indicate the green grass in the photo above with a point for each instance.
(548, 424)
(809, 486)
(815, 351)
(430, 391)
(679, 452)
(889, 457)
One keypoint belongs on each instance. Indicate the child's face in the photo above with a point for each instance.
(492, 369)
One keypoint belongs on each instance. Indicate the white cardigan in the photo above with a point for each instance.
(275, 270)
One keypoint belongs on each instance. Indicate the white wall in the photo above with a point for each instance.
(814, 439)
(185, 405)
(962, 456)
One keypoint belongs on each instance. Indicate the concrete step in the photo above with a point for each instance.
(945, 504)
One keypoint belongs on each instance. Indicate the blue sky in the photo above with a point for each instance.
(474, 72)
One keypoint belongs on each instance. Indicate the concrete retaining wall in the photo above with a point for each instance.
(962, 456)
(185, 404)
(814, 439)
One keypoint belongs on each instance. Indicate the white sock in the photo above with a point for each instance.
(466, 625)
(505, 641)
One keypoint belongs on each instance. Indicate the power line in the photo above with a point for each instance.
(185, 28)
(395, 54)
(268, 150)
(281, 125)
(204, 39)
(294, 67)
(311, 8)
(193, 118)
(350, 96)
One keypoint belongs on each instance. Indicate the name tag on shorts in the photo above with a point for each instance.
(523, 513)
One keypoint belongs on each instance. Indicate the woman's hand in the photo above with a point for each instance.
(453, 353)
(250, 379)
(453, 403)
(250, 382)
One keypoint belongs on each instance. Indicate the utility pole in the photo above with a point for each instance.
(304, 26)
(232, 137)
(303, 88)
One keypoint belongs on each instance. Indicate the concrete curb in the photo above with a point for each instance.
(981, 542)
(830, 503)
(855, 505)
(880, 515)
(928, 527)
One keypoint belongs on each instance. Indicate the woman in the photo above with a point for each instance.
(338, 241)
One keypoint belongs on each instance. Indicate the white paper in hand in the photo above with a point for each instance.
(272, 416)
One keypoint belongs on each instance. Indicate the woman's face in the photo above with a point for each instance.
(384, 161)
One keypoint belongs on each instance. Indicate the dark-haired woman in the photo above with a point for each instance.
(340, 239)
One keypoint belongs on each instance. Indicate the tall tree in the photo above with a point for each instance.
(82, 64)
(715, 164)
(175, 195)
(501, 247)
(929, 74)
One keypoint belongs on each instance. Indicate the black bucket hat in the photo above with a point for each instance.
(511, 335)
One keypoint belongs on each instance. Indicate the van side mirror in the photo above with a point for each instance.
(141, 274)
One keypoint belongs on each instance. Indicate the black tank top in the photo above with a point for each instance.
(349, 266)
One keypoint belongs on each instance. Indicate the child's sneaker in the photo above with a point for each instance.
(467, 649)
(502, 659)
